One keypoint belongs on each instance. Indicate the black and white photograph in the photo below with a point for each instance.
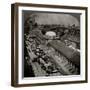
(51, 44)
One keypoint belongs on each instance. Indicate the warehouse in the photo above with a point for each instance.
(69, 53)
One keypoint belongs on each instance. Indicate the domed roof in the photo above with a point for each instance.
(50, 33)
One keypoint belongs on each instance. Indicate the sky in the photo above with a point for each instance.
(54, 18)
